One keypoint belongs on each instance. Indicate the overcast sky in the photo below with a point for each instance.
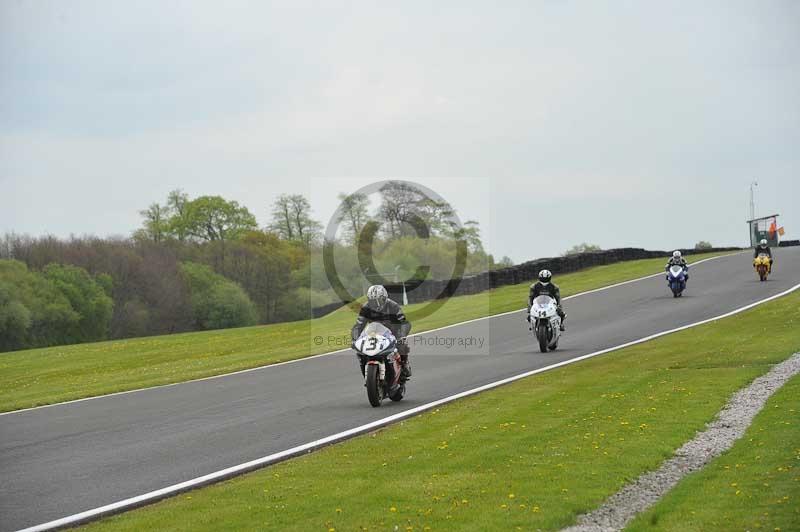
(551, 123)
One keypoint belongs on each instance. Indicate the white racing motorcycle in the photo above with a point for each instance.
(377, 352)
(545, 322)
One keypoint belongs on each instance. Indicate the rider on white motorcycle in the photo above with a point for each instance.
(545, 286)
(390, 314)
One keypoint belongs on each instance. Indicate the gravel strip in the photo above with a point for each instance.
(720, 435)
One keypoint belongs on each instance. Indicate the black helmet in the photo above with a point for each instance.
(545, 276)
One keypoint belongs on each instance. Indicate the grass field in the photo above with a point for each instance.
(534, 454)
(43, 376)
(754, 486)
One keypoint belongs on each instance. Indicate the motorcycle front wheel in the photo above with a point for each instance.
(541, 334)
(373, 385)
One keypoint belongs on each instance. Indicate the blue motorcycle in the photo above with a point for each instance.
(676, 278)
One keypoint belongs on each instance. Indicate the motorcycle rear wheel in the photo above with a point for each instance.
(373, 385)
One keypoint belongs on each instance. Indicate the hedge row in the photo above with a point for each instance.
(418, 292)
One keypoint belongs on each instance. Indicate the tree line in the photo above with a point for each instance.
(205, 263)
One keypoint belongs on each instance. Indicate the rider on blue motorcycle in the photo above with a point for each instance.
(677, 260)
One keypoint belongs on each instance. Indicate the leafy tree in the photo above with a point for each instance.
(35, 313)
(291, 219)
(399, 205)
(214, 218)
(263, 265)
(403, 207)
(282, 223)
(87, 297)
(347, 269)
(230, 307)
(177, 203)
(15, 319)
(149, 278)
(217, 303)
(703, 245)
(156, 224)
(437, 255)
(354, 214)
(582, 248)
(138, 275)
(471, 233)
(298, 304)
(133, 319)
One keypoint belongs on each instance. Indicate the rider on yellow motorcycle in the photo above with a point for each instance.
(763, 249)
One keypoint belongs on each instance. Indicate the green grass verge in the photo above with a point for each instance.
(531, 455)
(756, 485)
(44, 376)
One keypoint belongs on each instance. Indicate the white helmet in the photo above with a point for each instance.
(545, 276)
(378, 294)
(763, 242)
(676, 254)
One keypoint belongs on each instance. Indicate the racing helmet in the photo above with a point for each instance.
(763, 243)
(676, 254)
(378, 294)
(545, 276)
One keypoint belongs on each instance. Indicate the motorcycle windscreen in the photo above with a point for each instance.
(676, 270)
(376, 329)
(543, 301)
(375, 339)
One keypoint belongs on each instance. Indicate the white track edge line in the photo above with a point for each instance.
(165, 492)
(346, 349)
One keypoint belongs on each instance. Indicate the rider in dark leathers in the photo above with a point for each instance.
(381, 309)
(545, 286)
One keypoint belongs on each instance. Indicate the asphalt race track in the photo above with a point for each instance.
(69, 458)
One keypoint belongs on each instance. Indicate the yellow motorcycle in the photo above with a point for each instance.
(763, 266)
